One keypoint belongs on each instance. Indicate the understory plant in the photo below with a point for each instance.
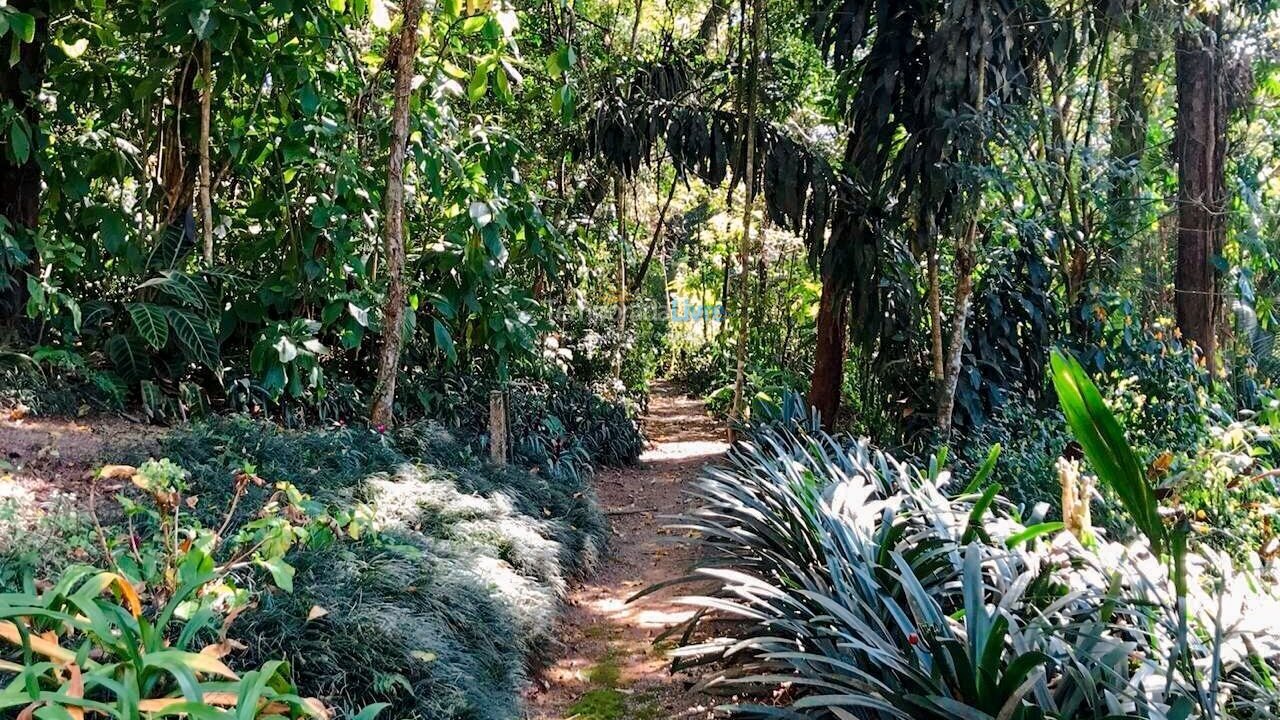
(91, 644)
(848, 585)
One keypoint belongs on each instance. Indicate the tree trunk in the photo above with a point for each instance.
(966, 250)
(1200, 145)
(737, 413)
(710, 25)
(828, 361)
(959, 319)
(620, 317)
(206, 193)
(930, 242)
(20, 181)
(179, 152)
(384, 392)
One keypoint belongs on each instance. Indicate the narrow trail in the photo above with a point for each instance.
(610, 668)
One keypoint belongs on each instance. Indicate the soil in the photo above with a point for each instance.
(611, 668)
(51, 457)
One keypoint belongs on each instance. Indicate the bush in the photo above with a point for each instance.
(381, 566)
(848, 585)
(88, 643)
(442, 608)
(560, 426)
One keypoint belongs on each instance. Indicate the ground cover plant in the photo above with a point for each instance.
(394, 568)
(850, 585)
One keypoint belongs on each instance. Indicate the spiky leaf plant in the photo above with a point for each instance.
(848, 585)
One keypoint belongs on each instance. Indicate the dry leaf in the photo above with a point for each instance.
(75, 691)
(39, 645)
(316, 708)
(316, 613)
(117, 472)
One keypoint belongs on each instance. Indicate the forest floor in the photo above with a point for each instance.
(610, 668)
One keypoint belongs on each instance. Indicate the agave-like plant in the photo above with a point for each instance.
(855, 586)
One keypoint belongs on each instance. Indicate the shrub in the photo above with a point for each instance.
(848, 585)
(441, 608)
(88, 643)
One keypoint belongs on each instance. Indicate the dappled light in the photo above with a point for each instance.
(640, 360)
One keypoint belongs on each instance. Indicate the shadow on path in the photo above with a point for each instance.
(610, 669)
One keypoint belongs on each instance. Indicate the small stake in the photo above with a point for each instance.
(497, 427)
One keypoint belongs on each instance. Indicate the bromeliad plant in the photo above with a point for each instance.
(858, 587)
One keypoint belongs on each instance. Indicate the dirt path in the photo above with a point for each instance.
(611, 669)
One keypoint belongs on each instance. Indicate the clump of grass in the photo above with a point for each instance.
(601, 704)
(443, 610)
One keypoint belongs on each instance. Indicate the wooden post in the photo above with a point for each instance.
(497, 427)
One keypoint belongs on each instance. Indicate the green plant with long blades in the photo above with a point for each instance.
(1114, 462)
(857, 587)
(87, 645)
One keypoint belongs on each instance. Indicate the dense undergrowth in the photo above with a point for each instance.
(849, 585)
(389, 567)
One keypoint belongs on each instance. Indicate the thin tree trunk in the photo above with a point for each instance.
(179, 165)
(206, 198)
(935, 296)
(638, 280)
(749, 190)
(1129, 137)
(959, 318)
(620, 317)
(710, 26)
(828, 359)
(384, 393)
(20, 181)
(1200, 148)
(964, 275)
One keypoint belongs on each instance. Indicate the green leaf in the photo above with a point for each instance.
(474, 24)
(444, 341)
(558, 62)
(203, 23)
(1030, 533)
(23, 25)
(75, 49)
(281, 573)
(19, 141)
(286, 350)
(984, 472)
(479, 83)
(309, 99)
(370, 712)
(113, 232)
(195, 336)
(150, 323)
(127, 356)
(1110, 456)
(975, 527)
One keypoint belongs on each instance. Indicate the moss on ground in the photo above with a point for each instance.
(608, 699)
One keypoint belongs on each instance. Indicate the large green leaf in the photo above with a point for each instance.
(1102, 438)
(195, 336)
(150, 323)
(128, 356)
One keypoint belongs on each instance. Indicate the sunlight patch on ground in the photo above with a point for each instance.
(685, 451)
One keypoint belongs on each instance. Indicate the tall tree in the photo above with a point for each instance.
(20, 175)
(384, 392)
(1200, 147)
(921, 77)
(749, 100)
